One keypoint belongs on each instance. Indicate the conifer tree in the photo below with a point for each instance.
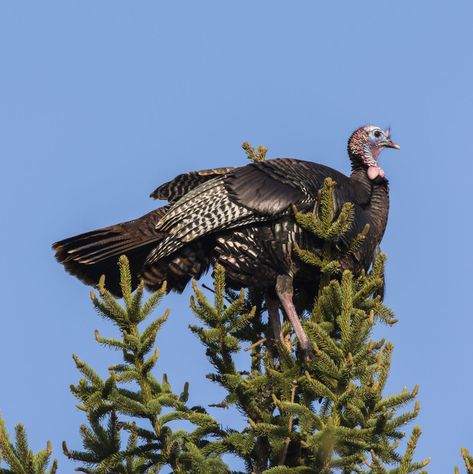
(325, 415)
(130, 413)
(328, 415)
(19, 457)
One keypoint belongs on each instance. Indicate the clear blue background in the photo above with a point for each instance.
(102, 101)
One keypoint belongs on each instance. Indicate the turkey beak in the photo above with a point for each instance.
(390, 144)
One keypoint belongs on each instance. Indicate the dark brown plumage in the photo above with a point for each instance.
(242, 219)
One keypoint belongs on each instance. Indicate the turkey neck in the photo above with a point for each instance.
(369, 193)
(373, 197)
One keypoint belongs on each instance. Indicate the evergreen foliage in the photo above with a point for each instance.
(325, 415)
(468, 460)
(255, 155)
(329, 414)
(19, 457)
(131, 413)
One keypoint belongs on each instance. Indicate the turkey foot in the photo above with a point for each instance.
(285, 292)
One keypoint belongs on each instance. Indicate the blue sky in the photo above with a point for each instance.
(102, 101)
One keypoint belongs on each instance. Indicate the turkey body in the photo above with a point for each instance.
(255, 254)
(241, 218)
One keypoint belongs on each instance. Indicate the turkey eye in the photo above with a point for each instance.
(377, 133)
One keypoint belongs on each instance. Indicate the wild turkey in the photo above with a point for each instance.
(241, 218)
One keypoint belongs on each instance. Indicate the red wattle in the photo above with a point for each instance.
(373, 172)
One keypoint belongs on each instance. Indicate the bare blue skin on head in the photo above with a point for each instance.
(378, 140)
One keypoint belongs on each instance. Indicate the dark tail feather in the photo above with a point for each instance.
(190, 261)
(93, 254)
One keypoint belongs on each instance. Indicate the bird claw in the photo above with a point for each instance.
(307, 351)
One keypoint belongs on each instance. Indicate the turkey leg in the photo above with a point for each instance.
(274, 322)
(285, 292)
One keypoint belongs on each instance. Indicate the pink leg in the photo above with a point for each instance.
(285, 292)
